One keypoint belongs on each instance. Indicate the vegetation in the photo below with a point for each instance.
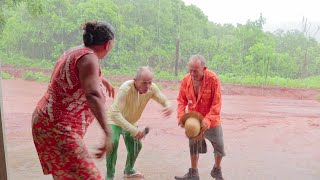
(23, 61)
(5, 75)
(318, 98)
(36, 32)
(35, 76)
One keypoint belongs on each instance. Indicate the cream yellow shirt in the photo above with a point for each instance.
(128, 105)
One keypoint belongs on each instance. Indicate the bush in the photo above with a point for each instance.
(21, 61)
(5, 75)
(35, 76)
(318, 98)
(123, 71)
(309, 82)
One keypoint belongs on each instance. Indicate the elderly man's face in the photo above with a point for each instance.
(144, 82)
(196, 70)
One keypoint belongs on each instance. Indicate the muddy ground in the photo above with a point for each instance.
(270, 133)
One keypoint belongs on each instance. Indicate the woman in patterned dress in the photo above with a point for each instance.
(75, 96)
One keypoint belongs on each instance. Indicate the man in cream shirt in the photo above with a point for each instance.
(124, 113)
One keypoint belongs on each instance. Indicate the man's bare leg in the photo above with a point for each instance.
(216, 171)
(217, 160)
(194, 161)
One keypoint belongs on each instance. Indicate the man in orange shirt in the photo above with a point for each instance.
(200, 92)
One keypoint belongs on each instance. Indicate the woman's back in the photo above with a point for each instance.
(65, 102)
(74, 97)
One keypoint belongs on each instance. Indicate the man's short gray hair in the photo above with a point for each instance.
(142, 69)
(199, 58)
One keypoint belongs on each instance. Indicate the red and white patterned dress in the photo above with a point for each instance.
(60, 121)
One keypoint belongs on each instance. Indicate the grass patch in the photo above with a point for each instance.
(116, 84)
(160, 74)
(21, 61)
(110, 72)
(5, 75)
(318, 98)
(35, 76)
(164, 75)
(310, 82)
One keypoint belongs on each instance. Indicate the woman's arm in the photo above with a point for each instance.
(88, 67)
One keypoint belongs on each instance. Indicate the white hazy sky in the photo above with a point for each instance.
(275, 11)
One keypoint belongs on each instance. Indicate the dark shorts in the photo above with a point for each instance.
(215, 136)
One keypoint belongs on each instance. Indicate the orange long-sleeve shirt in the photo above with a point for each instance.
(208, 102)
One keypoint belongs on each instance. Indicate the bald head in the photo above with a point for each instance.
(144, 71)
(197, 65)
(197, 59)
(143, 79)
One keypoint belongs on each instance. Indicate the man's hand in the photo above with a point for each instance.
(198, 138)
(139, 136)
(181, 124)
(204, 126)
(167, 111)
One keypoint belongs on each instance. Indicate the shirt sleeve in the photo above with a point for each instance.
(116, 110)
(159, 97)
(182, 100)
(213, 117)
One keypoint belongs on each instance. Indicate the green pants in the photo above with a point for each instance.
(133, 148)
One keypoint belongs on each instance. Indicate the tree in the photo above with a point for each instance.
(34, 7)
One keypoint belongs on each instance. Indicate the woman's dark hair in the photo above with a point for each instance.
(97, 33)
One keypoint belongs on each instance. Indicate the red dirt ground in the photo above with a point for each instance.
(270, 133)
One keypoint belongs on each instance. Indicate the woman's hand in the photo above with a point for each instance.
(106, 147)
(110, 90)
(109, 87)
